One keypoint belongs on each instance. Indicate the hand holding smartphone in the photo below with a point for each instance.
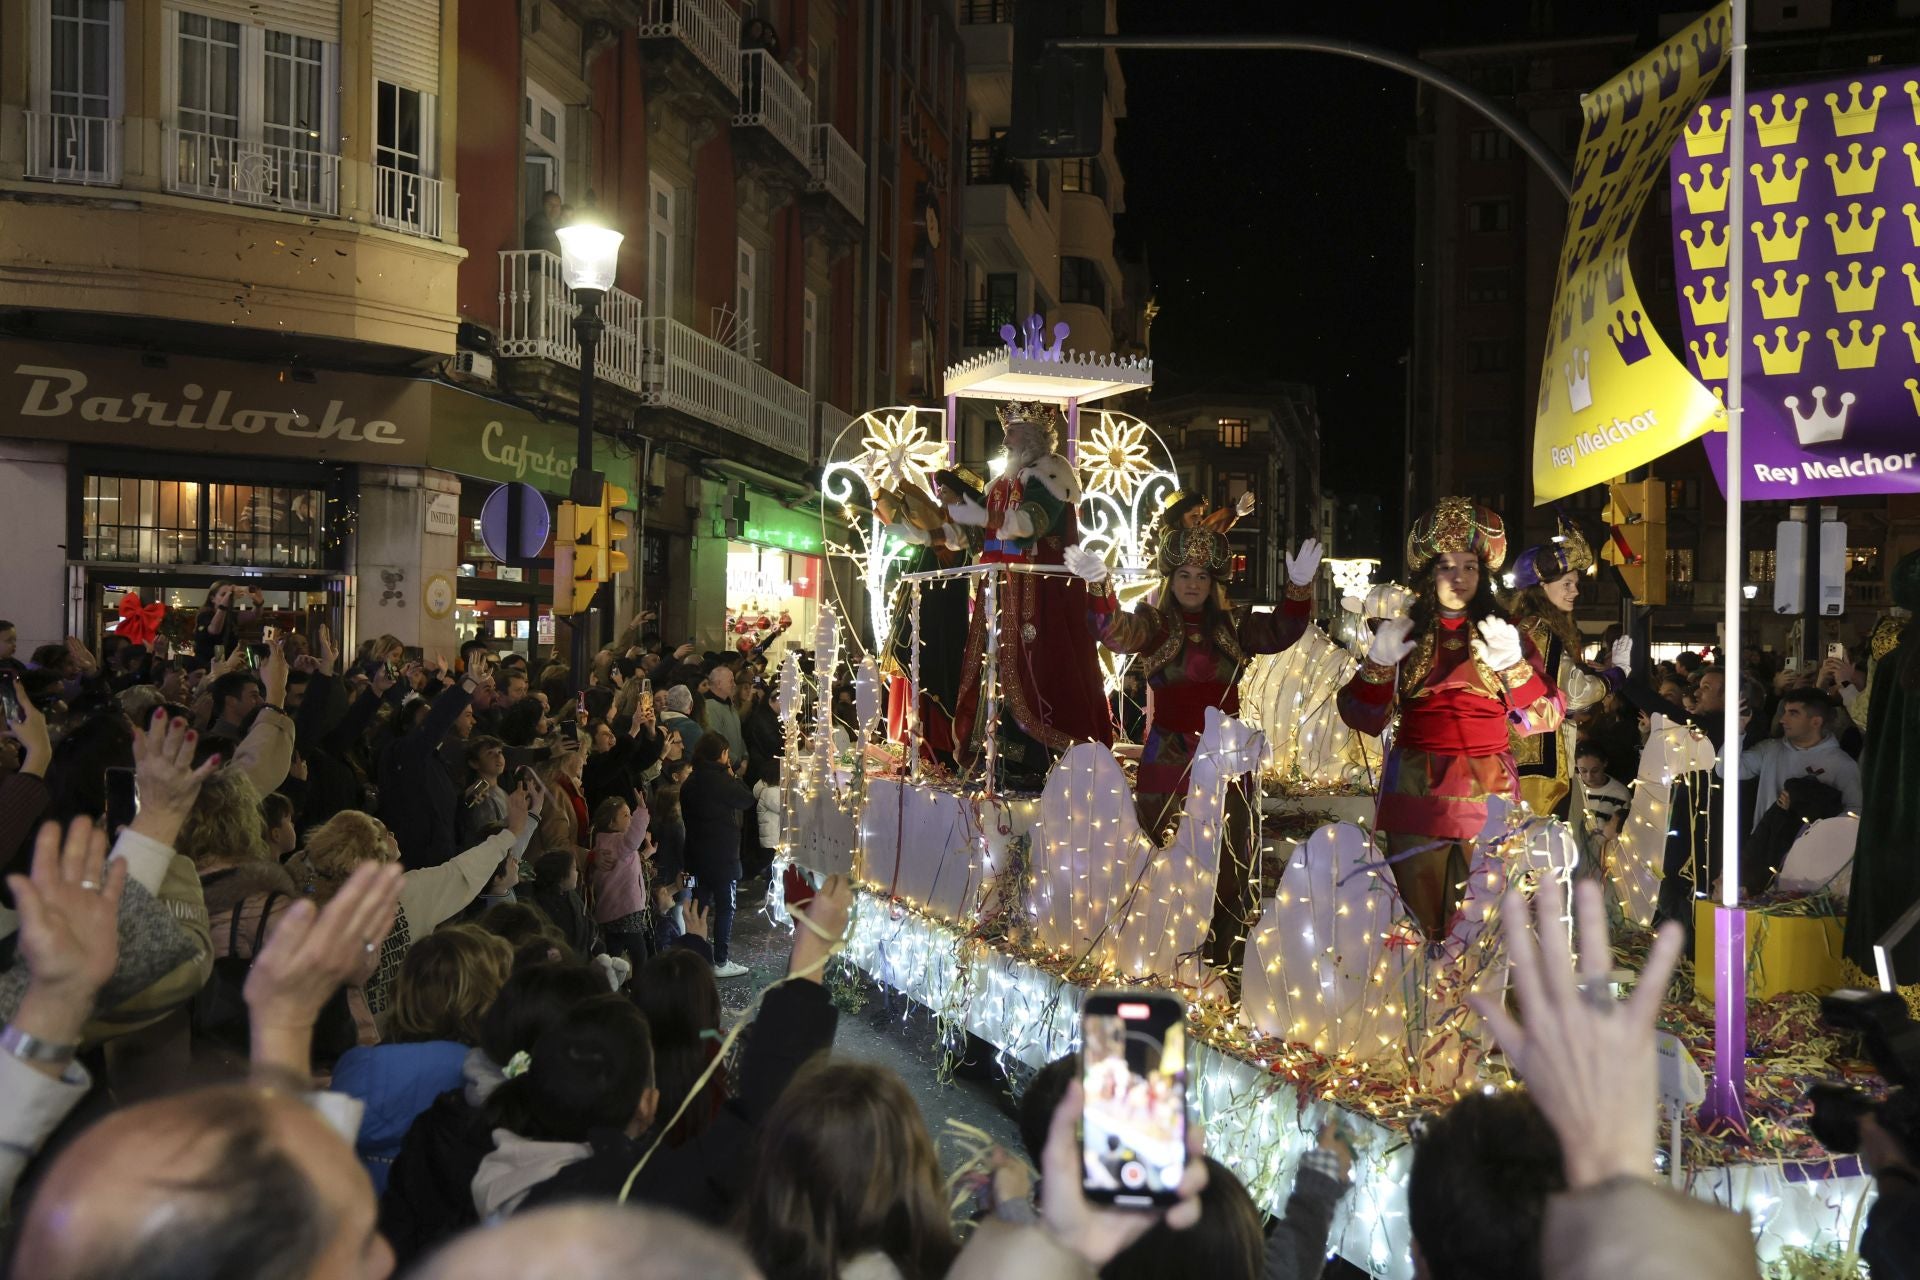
(1133, 1068)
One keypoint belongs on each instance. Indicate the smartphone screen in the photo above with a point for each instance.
(10, 701)
(1133, 1066)
(123, 800)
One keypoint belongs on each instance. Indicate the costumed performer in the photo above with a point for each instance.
(1185, 509)
(1051, 693)
(1886, 875)
(1459, 673)
(1546, 582)
(915, 519)
(1193, 646)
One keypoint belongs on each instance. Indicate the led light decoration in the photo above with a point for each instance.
(1126, 474)
(1294, 697)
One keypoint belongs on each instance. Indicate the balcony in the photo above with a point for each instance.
(776, 120)
(988, 164)
(537, 312)
(693, 54)
(980, 323)
(715, 384)
(828, 422)
(237, 171)
(839, 171)
(82, 149)
(407, 202)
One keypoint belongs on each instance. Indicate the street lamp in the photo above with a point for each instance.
(589, 251)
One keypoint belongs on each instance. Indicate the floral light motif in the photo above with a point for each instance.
(1114, 456)
(899, 452)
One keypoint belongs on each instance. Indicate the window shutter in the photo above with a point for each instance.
(406, 43)
(319, 19)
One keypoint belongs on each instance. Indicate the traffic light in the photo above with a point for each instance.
(608, 528)
(574, 585)
(1636, 516)
(1057, 94)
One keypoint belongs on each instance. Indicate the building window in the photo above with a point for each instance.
(407, 197)
(1043, 183)
(73, 129)
(1760, 566)
(660, 241)
(1489, 144)
(1683, 495)
(1233, 434)
(1679, 564)
(1863, 562)
(1489, 355)
(810, 342)
(253, 115)
(746, 261)
(1489, 284)
(1084, 175)
(1489, 215)
(544, 120)
(1081, 282)
(129, 520)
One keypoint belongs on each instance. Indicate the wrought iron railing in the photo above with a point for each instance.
(839, 171)
(709, 29)
(406, 202)
(537, 311)
(66, 148)
(714, 383)
(241, 171)
(771, 100)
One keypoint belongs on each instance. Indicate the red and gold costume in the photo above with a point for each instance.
(1193, 660)
(1452, 747)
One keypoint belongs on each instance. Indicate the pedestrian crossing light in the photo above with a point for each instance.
(1636, 516)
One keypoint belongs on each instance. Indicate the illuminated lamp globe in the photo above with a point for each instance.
(589, 252)
(1750, 590)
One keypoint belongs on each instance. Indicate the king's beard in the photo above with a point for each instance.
(1024, 448)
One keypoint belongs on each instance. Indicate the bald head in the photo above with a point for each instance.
(232, 1181)
(591, 1242)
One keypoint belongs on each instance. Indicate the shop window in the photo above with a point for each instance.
(130, 520)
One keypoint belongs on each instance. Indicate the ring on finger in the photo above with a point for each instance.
(1597, 992)
(371, 946)
(91, 886)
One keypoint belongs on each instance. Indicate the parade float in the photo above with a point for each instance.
(998, 908)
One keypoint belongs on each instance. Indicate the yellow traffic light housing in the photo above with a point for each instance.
(609, 529)
(574, 585)
(1636, 516)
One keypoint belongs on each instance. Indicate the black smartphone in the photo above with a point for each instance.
(10, 700)
(570, 731)
(123, 800)
(1133, 1067)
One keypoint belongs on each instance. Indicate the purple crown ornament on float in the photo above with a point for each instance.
(1832, 305)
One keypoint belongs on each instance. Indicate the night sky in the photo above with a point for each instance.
(1272, 196)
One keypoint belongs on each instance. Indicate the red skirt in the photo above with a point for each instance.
(1426, 793)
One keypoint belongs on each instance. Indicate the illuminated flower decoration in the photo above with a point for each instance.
(898, 452)
(1114, 456)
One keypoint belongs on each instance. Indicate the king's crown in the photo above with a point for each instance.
(1857, 236)
(1856, 352)
(1783, 130)
(1782, 303)
(1856, 178)
(1783, 356)
(1708, 138)
(1855, 296)
(1856, 116)
(1818, 426)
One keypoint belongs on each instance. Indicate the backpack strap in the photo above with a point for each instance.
(266, 913)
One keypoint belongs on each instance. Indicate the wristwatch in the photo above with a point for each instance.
(29, 1048)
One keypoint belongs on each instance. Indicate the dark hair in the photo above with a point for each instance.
(520, 924)
(1588, 748)
(1227, 1242)
(1532, 602)
(1041, 1099)
(1814, 700)
(604, 811)
(520, 723)
(6, 626)
(587, 1071)
(532, 1000)
(1426, 598)
(677, 992)
(1477, 1196)
(551, 869)
(709, 749)
(77, 774)
(229, 686)
(666, 796)
(481, 743)
(275, 809)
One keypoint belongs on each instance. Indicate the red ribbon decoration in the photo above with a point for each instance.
(139, 623)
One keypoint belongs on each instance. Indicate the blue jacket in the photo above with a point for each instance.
(396, 1082)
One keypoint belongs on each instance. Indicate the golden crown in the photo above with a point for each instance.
(1457, 524)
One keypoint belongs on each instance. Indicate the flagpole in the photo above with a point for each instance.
(1726, 1096)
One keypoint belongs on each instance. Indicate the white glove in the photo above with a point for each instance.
(967, 511)
(1498, 645)
(908, 533)
(1301, 568)
(1622, 655)
(1388, 600)
(1391, 642)
(1244, 507)
(1017, 524)
(1085, 563)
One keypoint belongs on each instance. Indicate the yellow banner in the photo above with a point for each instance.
(1612, 396)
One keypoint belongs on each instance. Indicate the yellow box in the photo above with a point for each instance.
(1784, 953)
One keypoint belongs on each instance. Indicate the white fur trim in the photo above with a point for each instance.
(1056, 476)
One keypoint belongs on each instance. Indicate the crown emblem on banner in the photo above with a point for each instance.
(1856, 352)
(1707, 138)
(1780, 247)
(1913, 385)
(1783, 303)
(1858, 236)
(1617, 276)
(1783, 357)
(1857, 116)
(1913, 282)
(1856, 178)
(1855, 296)
(1589, 294)
(1578, 373)
(1666, 66)
(1819, 426)
(1709, 253)
(1913, 338)
(1913, 95)
(1617, 154)
(1629, 337)
(1709, 358)
(1783, 129)
(1913, 218)
(1782, 187)
(1707, 308)
(1912, 151)
(1705, 195)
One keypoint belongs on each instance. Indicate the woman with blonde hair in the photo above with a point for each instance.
(847, 1182)
(447, 983)
(429, 896)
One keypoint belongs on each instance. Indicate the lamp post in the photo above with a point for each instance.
(589, 251)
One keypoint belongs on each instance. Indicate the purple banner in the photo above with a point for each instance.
(1832, 299)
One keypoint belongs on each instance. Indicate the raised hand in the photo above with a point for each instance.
(696, 918)
(68, 911)
(519, 806)
(1303, 566)
(1621, 655)
(30, 731)
(324, 653)
(967, 512)
(1244, 507)
(164, 777)
(1392, 642)
(1097, 1234)
(1498, 644)
(819, 927)
(1085, 563)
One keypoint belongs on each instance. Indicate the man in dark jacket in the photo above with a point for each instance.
(711, 804)
(420, 779)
